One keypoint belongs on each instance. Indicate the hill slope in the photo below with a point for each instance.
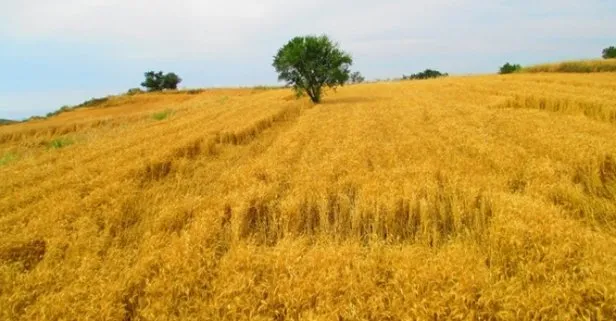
(458, 198)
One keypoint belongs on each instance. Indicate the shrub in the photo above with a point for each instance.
(609, 53)
(426, 74)
(311, 63)
(93, 102)
(62, 109)
(194, 91)
(134, 91)
(509, 68)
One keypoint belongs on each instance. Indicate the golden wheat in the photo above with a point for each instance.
(463, 198)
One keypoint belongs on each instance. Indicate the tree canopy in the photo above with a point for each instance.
(310, 63)
(158, 81)
(609, 52)
(509, 68)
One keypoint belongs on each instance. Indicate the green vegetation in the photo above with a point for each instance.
(7, 121)
(509, 68)
(162, 115)
(581, 66)
(609, 53)
(60, 143)
(183, 91)
(193, 91)
(159, 81)
(62, 109)
(134, 91)
(310, 63)
(426, 74)
(93, 102)
(7, 158)
(265, 87)
(357, 78)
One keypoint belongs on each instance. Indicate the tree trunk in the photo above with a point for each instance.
(314, 94)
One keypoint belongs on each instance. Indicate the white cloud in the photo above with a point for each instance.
(224, 28)
(141, 27)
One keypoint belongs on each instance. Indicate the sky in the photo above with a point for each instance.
(62, 52)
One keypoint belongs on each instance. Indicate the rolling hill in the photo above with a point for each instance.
(461, 198)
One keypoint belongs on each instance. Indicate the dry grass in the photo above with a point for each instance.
(580, 66)
(465, 198)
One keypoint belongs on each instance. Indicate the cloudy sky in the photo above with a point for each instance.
(59, 52)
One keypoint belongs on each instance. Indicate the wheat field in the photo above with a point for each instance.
(461, 198)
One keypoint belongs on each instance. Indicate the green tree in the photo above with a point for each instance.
(357, 78)
(310, 63)
(509, 68)
(153, 81)
(609, 53)
(171, 81)
(158, 81)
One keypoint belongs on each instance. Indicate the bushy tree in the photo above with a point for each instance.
(357, 78)
(171, 81)
(509, 68)
(310, 63)
(153, 81)
(609, 53)
(426, 74)
(158, 81)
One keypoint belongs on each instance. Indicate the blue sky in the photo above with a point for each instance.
(62, 52)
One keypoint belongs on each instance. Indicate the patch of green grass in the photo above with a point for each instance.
(162, 115)
(7, 158)
(60, 143)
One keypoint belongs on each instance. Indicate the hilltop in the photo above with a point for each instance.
(484, 197)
